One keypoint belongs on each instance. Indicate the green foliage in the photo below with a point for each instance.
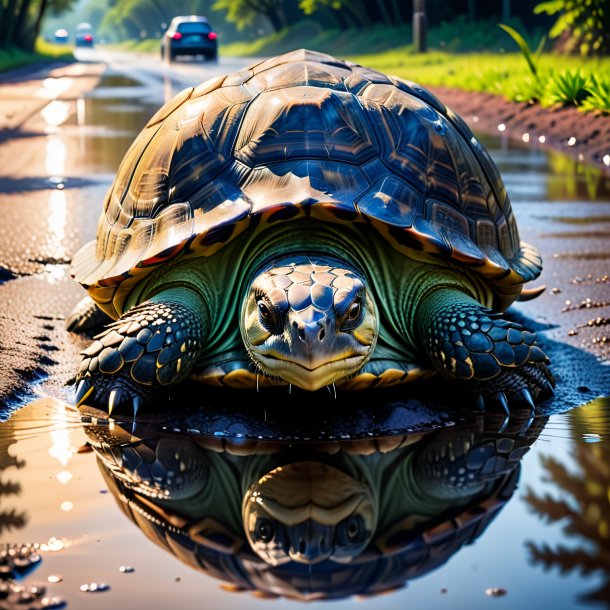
(12, 58)
(568, 88)
(527, 89)
(581, 26)
(599, 95)
(530, 57)
(463, 34)
(21, 21)
(244, 12)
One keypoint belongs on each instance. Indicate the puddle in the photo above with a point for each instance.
(434, 518)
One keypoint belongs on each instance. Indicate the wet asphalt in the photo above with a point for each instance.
(63, 132)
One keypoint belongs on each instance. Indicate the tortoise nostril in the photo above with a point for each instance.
(300, 330)
(321, 334)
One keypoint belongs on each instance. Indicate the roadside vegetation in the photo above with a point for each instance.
(20, 32)
(14, 57)
(467, 49)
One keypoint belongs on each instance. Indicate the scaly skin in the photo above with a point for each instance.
(411, 314)
(153, 346)
(497, 360)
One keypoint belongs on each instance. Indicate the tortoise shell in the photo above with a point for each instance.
(304, 134)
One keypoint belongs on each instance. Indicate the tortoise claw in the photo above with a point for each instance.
(548, 386)
(112, 401)
(83, 391)
(136, 403)
(503, 402)
(524, 397)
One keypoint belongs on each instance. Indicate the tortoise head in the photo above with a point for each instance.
(309, 322)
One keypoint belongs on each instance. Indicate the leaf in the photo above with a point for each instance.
(550, 8)
(522, 44)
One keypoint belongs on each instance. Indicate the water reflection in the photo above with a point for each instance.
(10, 518)
(314, 520)
(582, 504)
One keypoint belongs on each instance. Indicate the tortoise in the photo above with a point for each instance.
(307, 222)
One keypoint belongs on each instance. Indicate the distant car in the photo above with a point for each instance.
(61, 36)
(84, 36)
(189, 35)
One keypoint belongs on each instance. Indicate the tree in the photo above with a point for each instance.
(581, 26)
(22, 19)
(243, 12)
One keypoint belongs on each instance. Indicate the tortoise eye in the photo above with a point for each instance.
(269, 317)
(354, 311)
(264, 530)
(264, 311)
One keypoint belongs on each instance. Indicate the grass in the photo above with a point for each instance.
(580, 82)
(13, 58)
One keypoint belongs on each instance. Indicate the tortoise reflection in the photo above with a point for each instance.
(314, 520)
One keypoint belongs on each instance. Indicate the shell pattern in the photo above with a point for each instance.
(304, 135)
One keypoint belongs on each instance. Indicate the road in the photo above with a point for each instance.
(63, 132)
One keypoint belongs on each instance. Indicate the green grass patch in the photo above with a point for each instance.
(45, 51)
(580, 82)
(150, 45)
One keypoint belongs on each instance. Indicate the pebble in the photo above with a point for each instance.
(55, 578)
(126, 569)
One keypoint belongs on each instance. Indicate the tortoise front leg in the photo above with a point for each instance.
(151, 347)
(499, 361)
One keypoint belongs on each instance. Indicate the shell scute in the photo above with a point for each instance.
(390, 201)
(170, 107)
(304, 135)
(304, 122)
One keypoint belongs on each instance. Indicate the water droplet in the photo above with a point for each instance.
(53, 545)
(501, 127)
(525, 137)
(55, 578)
(591, 437)
(606, 160)
(126, 569)
(495, 592)
(542, 139)
(572, 141)
(95, 587)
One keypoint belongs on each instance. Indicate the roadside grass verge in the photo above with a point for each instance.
(44, 51)
(579, 82)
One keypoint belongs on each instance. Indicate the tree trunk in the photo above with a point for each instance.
(356, 17)
(397, 14)
(472, 15)
(341, 19)
(8, 24)
(383, 11)
(20, 36)
(274, 18)
(38, 23)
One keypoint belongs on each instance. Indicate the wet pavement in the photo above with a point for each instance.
(75, 477)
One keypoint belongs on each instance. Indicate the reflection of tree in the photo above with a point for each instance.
(585, 512)
(9, 518)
